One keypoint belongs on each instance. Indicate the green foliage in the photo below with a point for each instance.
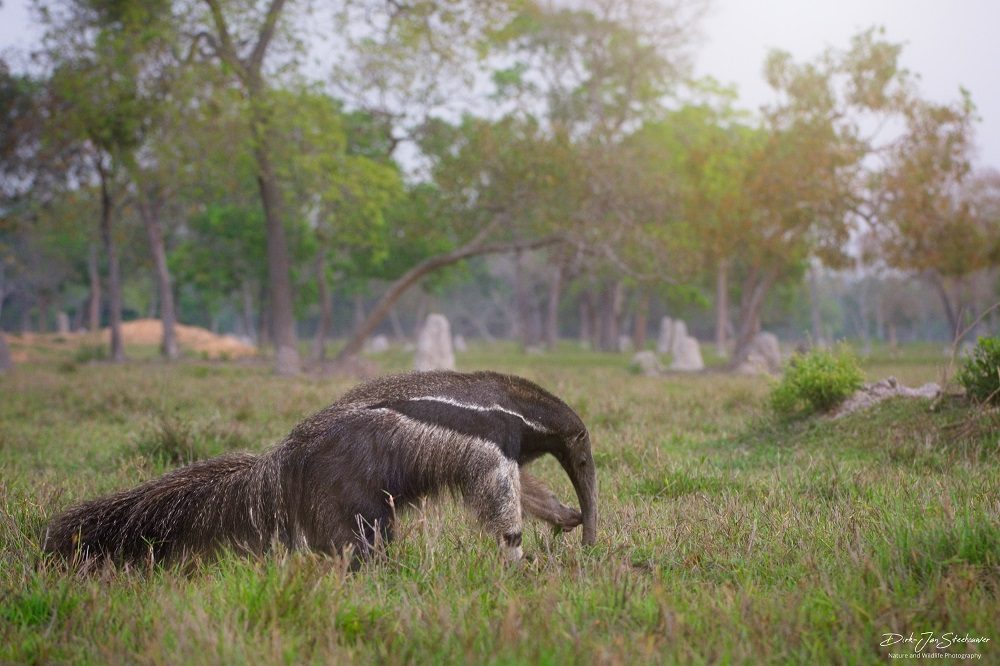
(224, 248)
(816, 382)
(980, 374)
(90, 352)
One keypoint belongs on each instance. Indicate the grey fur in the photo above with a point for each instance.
(335, 482)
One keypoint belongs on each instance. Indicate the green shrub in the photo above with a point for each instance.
(90, 352)
(816, 382)
(980, 374)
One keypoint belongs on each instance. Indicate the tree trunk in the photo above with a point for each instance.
(359, 311)
(754, 293)
(815, 315)
(641, 324)
(43, 312)
(722, 308)
(6, 362)
(949, 308)
(94, 298)
(552, 307)
(264, 328)
(421, 315)
(620, 313)
(880, 318)
(114, 274)
(482, 329)
(617, 310)
(3, 287)
(601, 318)
(473, 248)
(248, 71)
(612, 299)
(864, 315)
(325, 310)
(586, 317)
(521, 313)
(397, 326)
(286, 356)
(975, 309)
(248, 319)
(536, 323)
(150, 213)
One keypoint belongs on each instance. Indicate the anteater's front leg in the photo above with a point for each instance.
(495, 495)
(539, 501)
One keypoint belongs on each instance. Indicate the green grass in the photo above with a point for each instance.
(725, 537)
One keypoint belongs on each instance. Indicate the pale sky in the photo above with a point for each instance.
(949, 43)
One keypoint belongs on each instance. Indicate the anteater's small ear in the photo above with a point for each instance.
(580, 437)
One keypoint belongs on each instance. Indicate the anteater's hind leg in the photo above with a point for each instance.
(360, 535)
(372, 532)
(495, 496)
(347, 514)
(539, 501)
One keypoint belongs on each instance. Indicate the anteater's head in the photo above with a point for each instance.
(574, 454)
(552, 427)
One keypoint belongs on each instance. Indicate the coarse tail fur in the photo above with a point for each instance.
(335, 483)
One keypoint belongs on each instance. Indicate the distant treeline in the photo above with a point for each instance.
(533, 171)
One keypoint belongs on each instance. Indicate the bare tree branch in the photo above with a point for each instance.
(473, 248)
(264, 37)
(225, 48)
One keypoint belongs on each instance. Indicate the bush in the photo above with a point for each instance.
(980, 374)
(90, 352)
(816, 382)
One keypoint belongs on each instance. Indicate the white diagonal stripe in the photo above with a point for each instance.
(534, 425)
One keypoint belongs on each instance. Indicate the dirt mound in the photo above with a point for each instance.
(872, 394)
(191, 339)
(27, 347)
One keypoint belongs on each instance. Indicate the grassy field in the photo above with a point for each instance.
(724, 537)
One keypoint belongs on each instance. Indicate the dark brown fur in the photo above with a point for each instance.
(327, 486)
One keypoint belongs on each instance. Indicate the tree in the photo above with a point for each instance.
(106, 100)
(591, 74)
(938, 218)
(19, 136)
(809, 181)
(493, 183)
(247, 66)
(345, 189)
(705, 150)
(155, 168)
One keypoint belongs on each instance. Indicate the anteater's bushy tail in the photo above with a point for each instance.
(231, 500)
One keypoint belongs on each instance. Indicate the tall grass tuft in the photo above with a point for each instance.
(172, 440)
